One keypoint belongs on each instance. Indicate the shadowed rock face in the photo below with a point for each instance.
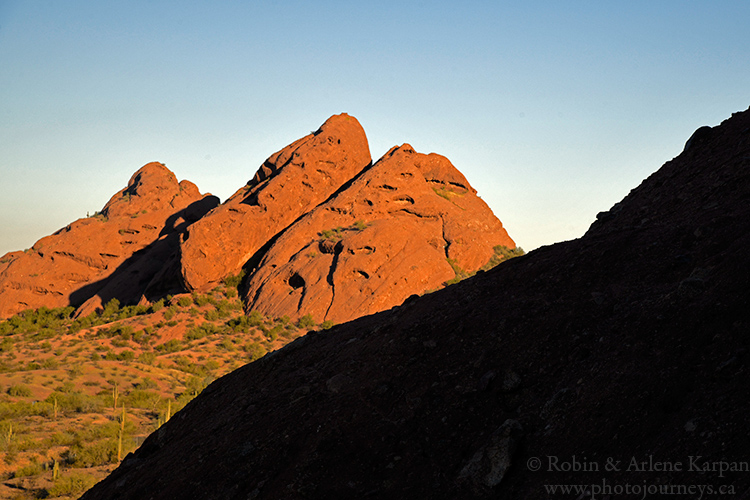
(76, 264)
(288, 184)
(629, 343)
(387, 236)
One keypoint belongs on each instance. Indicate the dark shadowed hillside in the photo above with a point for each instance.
(627, 345)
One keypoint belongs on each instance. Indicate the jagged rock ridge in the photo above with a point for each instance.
(629, 343)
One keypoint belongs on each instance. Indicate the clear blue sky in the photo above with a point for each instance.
(553, 110)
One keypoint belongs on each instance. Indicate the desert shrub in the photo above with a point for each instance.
(76, 402)
(110, 308)
(255, 318)
(184, 301)
(327, 324)
(32, 365)
(19, 391)
(147, 358)
(200, 300)
(273, 333)
(120, 343)
(224, 308)
(102, 452)
(169, 313)
(331, 234)
(157, 306)
(67, 387)
(130, 311)
(502, 253)
(32, 469)
(125, 332)
(6, 344)
(240, 324)
(169, 346)
(140, 337)
(460, 274)
(71, 484)
(19, 409)
(201, 331)
(45, 333)
(59, 439)
(255, 350)
(140, 398)
(10, 457)
(126, 355)
(195, 385)
(226, 344)
(233, 281)
(147, 383)
(186, 365)
(306, 321)
(290, 332)
(50, 363)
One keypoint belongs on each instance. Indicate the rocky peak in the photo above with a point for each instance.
(289, 184)
(152, 187)
(84, 262)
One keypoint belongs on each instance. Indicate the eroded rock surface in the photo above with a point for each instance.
(400, 229)
(289, 184)
(77, 263)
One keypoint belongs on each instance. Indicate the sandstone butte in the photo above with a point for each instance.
(319, 230)
(289, 184)
(387, 236)
(118, 252)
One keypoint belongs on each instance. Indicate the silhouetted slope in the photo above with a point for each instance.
(630, 342)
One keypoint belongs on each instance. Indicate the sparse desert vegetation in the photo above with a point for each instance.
(78, 394)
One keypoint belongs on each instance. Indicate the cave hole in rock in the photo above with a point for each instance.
(404, 200)
(362, 273)
(296, 281)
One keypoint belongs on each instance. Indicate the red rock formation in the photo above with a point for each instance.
(386, 237)
(322, 231)
(289, 184)
(75, 264)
